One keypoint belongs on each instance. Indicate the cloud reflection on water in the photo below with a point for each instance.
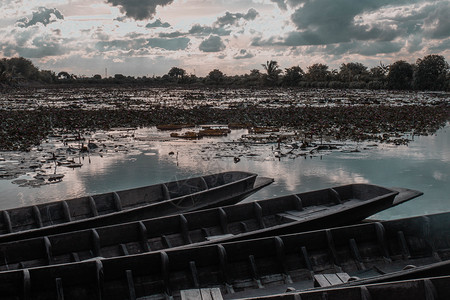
(423, 165)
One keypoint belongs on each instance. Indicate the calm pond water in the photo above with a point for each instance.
(423, 165)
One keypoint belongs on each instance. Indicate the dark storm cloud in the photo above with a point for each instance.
(139, 9)
(212, 44)
(200, 30)
(38, 47)
(44, 16)
(328, 22)
(219, 28)
(280, 3)
(233, 18)
(363, 27)
(438, 21)
(441, 46)
(157, 24)
(362, 48)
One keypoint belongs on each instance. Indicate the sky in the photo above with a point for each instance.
(148, 37)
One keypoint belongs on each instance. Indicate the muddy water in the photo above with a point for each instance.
(148, 157)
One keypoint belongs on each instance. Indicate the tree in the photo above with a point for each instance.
(293, 76)
(177, 73)
(273, 72)
(47, 76)
(400, 75)
(97, 77)
(64, 75)
(216, 76)
(379, 73)
(255, 73)
(318, 72)
(353, 72)
(24, 67)
(431, 73)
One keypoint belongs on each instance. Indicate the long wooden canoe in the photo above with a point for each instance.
(128, 205)
(428, 288)
(287, 214)
(250, 268)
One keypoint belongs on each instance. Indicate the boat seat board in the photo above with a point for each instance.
(201, 294)
(324, 280)
(295, 215)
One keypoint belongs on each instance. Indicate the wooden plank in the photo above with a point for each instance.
(323, 280)
(344, 277)
(333, 279)
(206, 294)
(190, 294)
(201, 294)
(216, 294)
(320, 281)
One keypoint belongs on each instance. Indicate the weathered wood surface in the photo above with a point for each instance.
(432, 288)
(201, 294)
(312, 210)
(251, 268)
(130, 205)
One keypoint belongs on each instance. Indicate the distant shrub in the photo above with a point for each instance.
(336, 84)
(376, 85)
(357, 85)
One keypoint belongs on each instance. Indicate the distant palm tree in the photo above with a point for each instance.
(273, 71)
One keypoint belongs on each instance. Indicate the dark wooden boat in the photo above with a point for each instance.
(128, 205)
(261, 265)
(288, 214)
(428, 288)
(251, 268)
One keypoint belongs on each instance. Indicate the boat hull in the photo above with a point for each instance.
(251, 268)
(129, 205)
(249, 220)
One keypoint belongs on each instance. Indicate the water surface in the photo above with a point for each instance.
(423, 165)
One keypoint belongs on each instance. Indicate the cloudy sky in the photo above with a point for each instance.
(148, 37)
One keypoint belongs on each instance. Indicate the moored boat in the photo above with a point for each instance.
(133, 204)
(243, 221)
(428, 288)
(250, 268)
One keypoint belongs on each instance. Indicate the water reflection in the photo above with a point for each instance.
(423, 165)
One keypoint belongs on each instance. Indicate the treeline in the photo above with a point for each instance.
(18, 69)
(428, 73)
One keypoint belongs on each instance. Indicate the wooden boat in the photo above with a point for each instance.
(186, 135)
(128, 205)
(174, 126)
(243, 221)
(214, 132)
(429, 288)
(248, 268)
